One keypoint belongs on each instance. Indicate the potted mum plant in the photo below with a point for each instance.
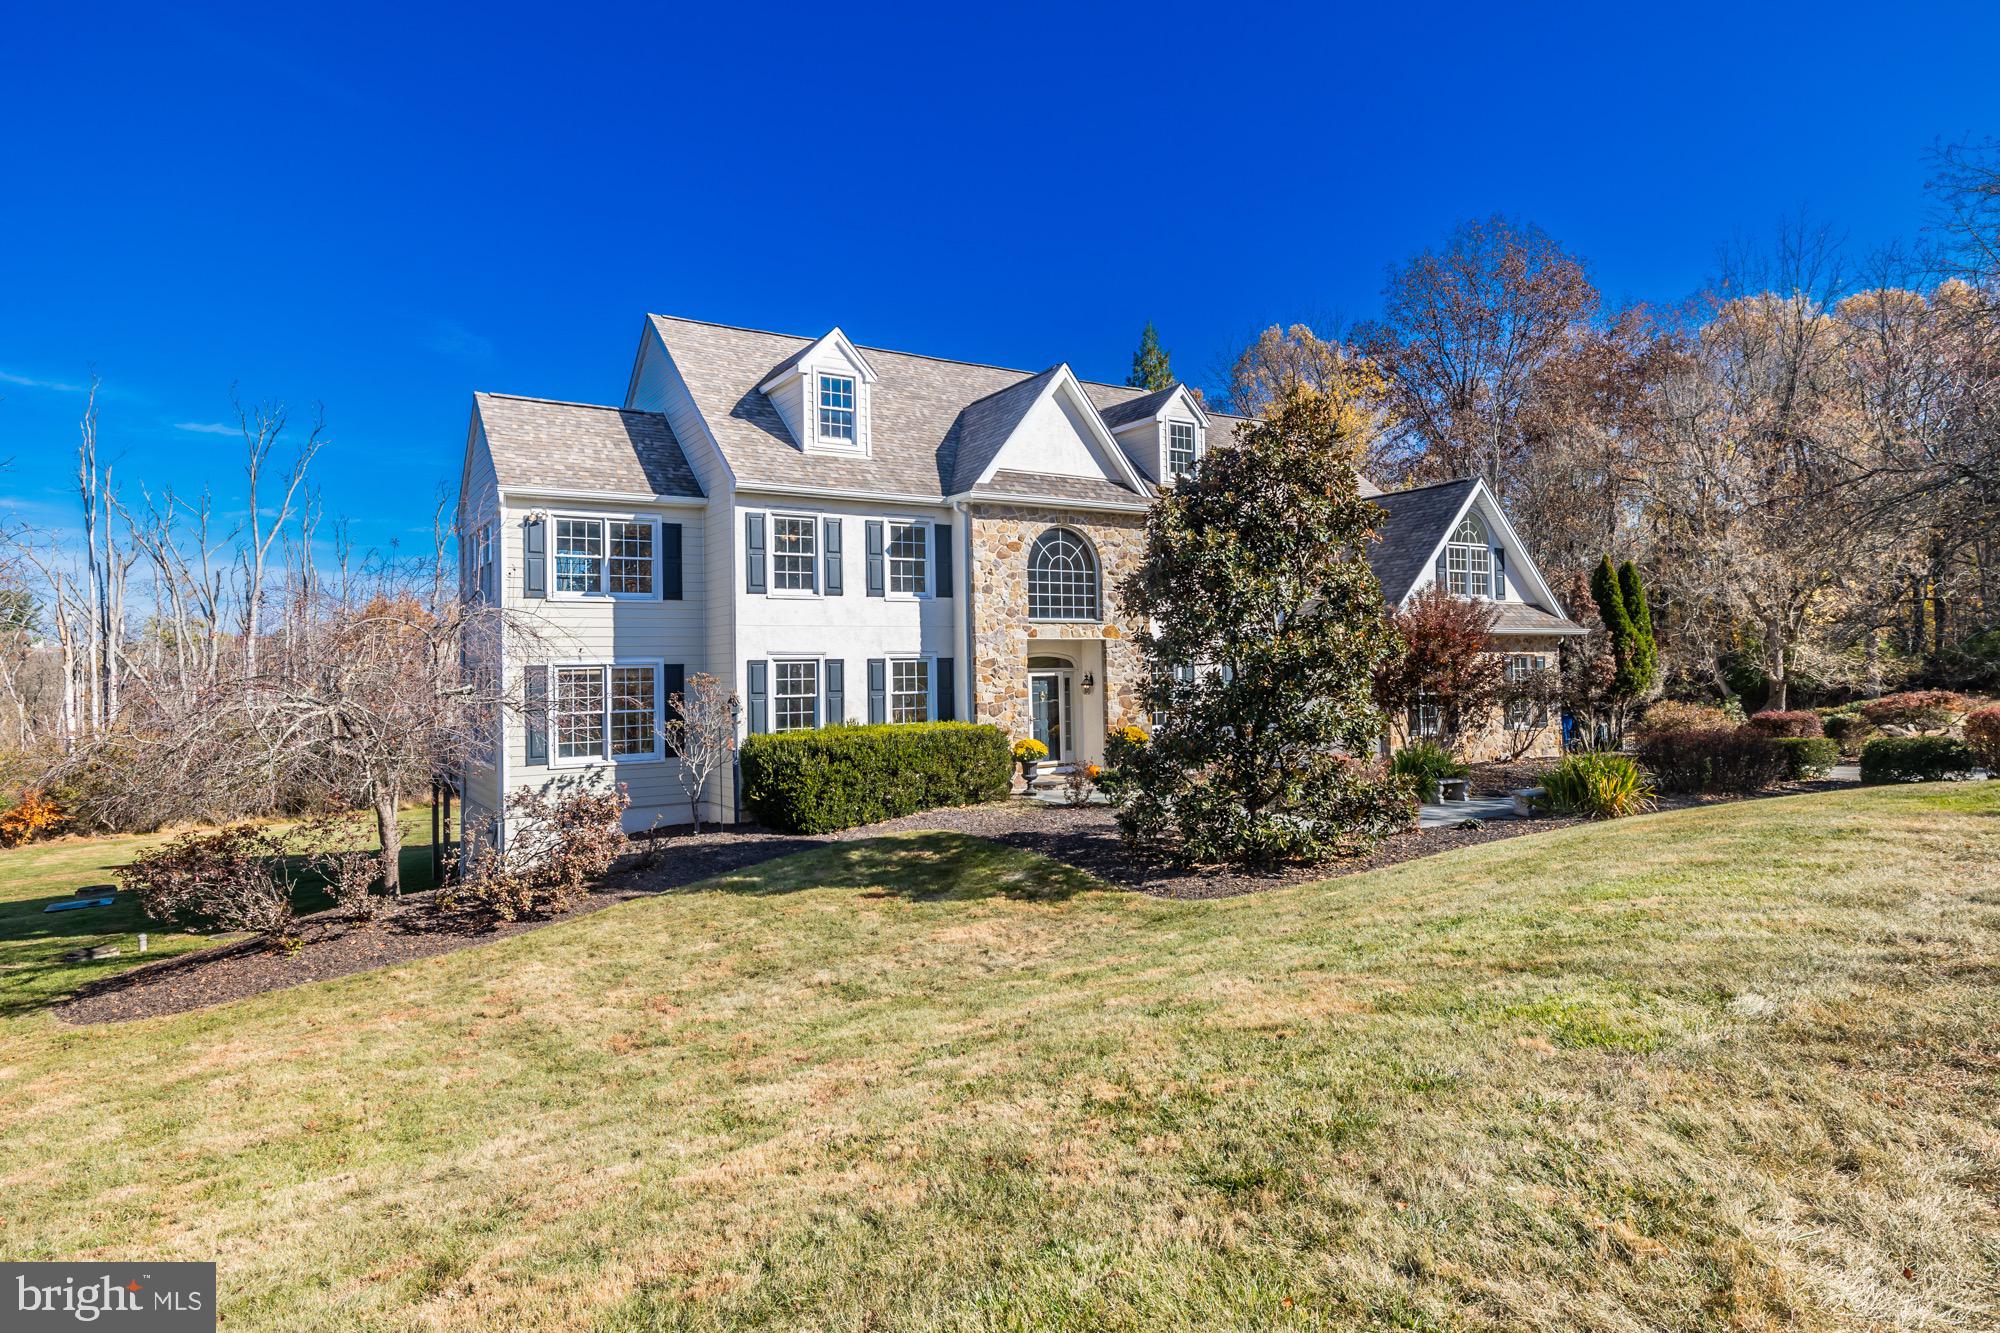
(1029, 753)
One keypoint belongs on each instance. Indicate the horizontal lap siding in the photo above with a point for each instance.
(605, 630)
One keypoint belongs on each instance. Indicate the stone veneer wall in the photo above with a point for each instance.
(1493, 741)
(1003, 636)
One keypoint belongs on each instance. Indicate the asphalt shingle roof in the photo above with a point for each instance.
(985, 425)
(579, 446)
(1416, 524)
(1008, 482)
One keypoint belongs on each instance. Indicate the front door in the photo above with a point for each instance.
(1048, 700)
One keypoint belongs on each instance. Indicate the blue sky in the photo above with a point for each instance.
(385, 210)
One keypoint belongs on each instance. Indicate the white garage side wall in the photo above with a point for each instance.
(606, 630)
(478, 504)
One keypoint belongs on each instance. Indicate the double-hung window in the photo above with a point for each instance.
(795, 700)
(1524, 712)
(836, 408)
(1180, 449)
(909, 690)
(909, 558)
(1426, 720)
(794, 554)
(599, 556)
(601, 712)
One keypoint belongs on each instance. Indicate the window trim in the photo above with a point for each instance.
(812, 522)
(1096, 615)
(604, 758)
(601, 593)
(851, 442)
(930, 686)
(1194, 450)
(928, 530)
(1464, 551)
(818, 663)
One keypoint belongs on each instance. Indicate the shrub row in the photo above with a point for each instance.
(1714, 759)
(1807, 757)
(838, 777)
(1916, 759)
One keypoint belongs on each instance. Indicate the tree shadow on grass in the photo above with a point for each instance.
(932, 866)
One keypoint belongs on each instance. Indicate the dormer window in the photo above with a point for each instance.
(1180, 449)
(1468, 560)
(836, 409)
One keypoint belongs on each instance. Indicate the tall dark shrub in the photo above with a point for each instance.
(1720, 759)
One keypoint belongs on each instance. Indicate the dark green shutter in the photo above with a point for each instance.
(946, 690)
(941, 559)
(874, 531)
(670, 562)
(673, 684)
(753, 553)
(832, 557)
(535, 712)
(534, 559)
(760, 696)
(833, 677)
(1499, 573)
(878, 689)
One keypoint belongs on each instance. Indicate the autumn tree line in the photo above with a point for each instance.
(1803, 458)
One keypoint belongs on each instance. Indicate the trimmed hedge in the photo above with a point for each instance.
(1850, 730)
(1808, 757)
(1798, 722)
(1916, 759)
(1715, 759)
(839, 777)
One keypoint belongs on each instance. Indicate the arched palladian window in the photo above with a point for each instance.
(1468, 559)
(1062, 577)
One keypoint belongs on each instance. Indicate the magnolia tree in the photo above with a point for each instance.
(1255, 575)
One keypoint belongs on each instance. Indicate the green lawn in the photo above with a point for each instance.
(33, 942)
(1735, 1067)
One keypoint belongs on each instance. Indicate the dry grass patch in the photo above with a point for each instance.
(1730, 1067)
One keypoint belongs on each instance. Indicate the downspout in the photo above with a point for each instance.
(964, 611)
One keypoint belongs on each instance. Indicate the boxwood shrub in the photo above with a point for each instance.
(1714, 759)
(1916, 759)
(839, 777)
(1808, 757)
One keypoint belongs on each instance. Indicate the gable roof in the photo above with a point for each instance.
(543, 443)
(921, 441)
(1137, 409)
(1416, 524)
(986, 425)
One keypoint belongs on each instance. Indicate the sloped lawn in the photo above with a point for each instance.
(1726, 1067)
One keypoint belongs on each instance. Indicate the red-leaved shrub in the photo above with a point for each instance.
(1797, 722)
(1732, 759)
(1918, 710)
(1982, 733)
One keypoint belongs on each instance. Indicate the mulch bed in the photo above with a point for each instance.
(1084, 837)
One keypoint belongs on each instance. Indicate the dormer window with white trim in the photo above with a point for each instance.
(1468, 560)
(836, 410)
(1181, 453)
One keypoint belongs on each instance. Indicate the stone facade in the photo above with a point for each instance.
(1492, 740)
(1003, 637)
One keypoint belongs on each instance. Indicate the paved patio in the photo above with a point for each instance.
(1450, 814)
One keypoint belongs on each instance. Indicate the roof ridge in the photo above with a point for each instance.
(562, 402)
(808, 339)
(1427, 486)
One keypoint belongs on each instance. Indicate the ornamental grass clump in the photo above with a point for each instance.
(1596, 785)
(1429, 763)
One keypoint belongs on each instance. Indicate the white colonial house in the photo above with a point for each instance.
(848, 533)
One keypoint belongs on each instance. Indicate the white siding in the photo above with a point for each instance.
(607, 630)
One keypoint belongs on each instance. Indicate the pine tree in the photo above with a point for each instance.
(1255, 574)
(1151, 368)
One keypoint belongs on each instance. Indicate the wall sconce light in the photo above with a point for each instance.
(1088, 681)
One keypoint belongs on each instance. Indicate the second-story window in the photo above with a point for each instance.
(1468, 560)
(794, 554)
(596, 556)
(579, 555)
(909, 552)
(836, 408)
(1180, 448)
